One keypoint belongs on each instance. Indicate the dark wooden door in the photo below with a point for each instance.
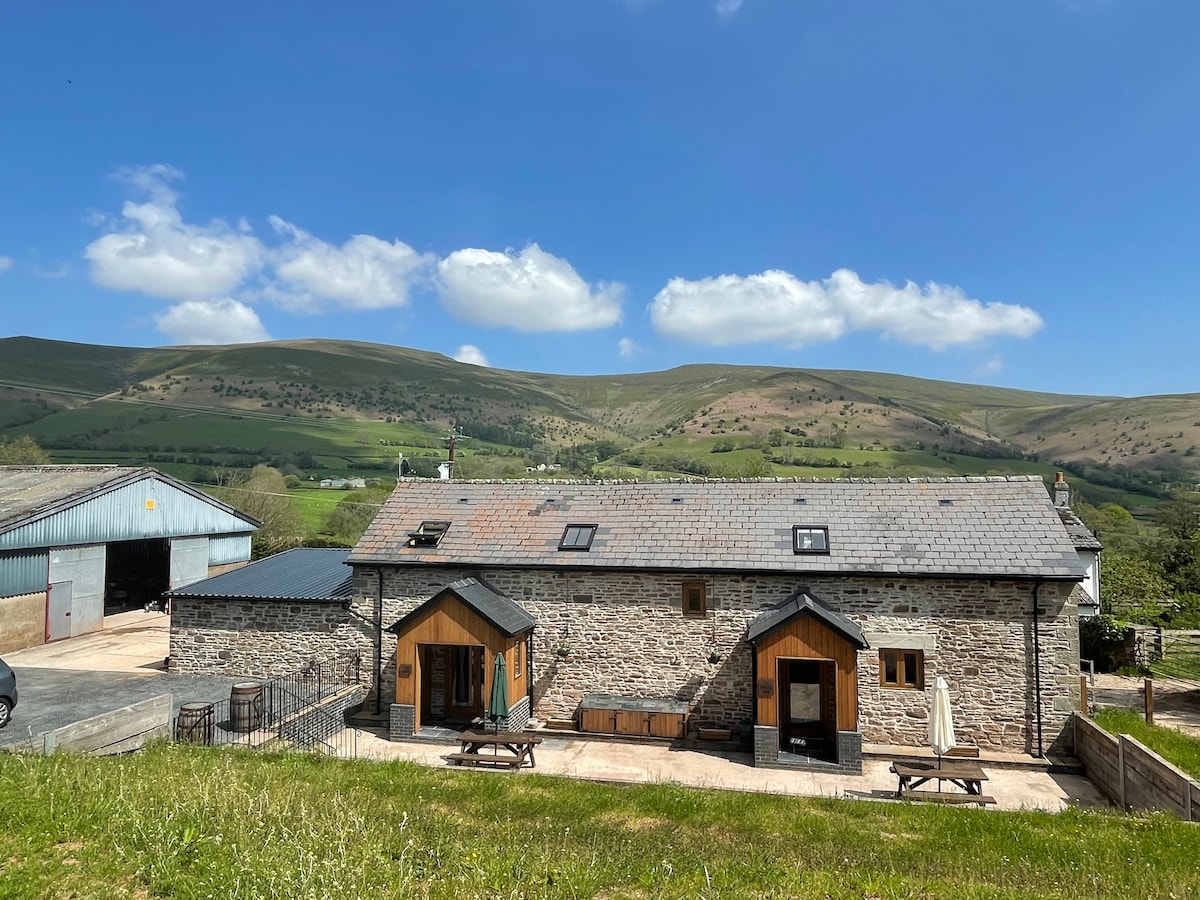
(465, 681)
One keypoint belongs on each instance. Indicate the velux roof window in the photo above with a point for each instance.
(428, 534)
(810, 539)
(577, 537)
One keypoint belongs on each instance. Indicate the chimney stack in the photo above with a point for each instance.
(1062, 493)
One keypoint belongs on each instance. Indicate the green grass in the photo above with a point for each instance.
(1174, 746)
(191, 823)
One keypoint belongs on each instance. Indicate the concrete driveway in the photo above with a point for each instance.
(77, 678)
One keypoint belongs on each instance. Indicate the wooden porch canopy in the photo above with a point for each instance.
(467, 613)
(802, 627)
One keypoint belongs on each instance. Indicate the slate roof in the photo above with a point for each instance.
(29, 493)
(302, 574)
(804, 602)
(1080, 534)
(487, 602)
(974, 526)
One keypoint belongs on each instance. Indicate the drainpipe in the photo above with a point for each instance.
(1037, 670)
(378, 636)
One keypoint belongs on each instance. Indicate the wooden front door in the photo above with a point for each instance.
(808, 707)
(464, 681)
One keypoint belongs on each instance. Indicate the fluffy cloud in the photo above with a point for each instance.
(530, 291)
(728, 8)
(6, 263)
(777, 306)
(154, 251)
(469, 353)
(364, 273)
(628, 348)
(211, 322)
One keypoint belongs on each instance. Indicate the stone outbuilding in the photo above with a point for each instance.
(78, 543)
(810, 617)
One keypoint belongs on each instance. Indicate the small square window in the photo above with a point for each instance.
(520, 660)
(902, 669)
(695, 598)
(428, 534)
(577, 537)
(810, 539)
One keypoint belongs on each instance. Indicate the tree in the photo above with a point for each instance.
(263, 494)
(1133, 588)
(350, 518)
(1177, 549)
(22, 451)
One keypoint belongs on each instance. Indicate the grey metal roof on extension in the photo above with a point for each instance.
(983, 527)
(1080, 534)
(92, 504)
(302, 574)
(506, 616)
(804, 602)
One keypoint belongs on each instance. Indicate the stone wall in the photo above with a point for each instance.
(624, 633)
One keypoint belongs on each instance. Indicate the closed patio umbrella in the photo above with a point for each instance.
(941, 721)
(498, 708)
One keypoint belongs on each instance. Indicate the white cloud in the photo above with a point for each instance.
(628, 348)
(211, 322)
(61, 270)
(777, 307)
(994, 364)
(728, 8)
(364, 273)
(6, 263)
(469, 353)
(530, 291)
(152, 250)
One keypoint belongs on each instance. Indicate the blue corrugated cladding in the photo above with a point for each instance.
(148, 508)
(24, 572)
(228, 549)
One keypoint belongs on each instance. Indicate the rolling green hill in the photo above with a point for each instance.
(335, 407)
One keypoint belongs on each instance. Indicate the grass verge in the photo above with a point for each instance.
(193, 823)
(1174, 746)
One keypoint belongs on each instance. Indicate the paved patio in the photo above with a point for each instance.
(136, 644)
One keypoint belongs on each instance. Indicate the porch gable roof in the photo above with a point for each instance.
(489, 604)
(800, 603)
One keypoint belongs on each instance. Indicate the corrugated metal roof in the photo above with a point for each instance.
(487, 602)
(305, 573)
(44, 506)
(974, 526)
(804, 602)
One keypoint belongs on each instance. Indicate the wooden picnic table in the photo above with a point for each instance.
(475, 745)
(967, 776)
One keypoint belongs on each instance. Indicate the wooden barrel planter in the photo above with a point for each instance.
(246, 707)
(194, 724)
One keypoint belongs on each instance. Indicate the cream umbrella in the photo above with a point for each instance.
(941, 720)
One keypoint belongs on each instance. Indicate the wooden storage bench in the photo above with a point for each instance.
(609, 714)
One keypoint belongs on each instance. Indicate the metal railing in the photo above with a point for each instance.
(304, 710)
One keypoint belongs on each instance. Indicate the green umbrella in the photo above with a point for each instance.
(499, 705)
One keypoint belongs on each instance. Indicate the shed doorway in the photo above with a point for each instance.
(808, 707)
(452, 679)
(136, 573)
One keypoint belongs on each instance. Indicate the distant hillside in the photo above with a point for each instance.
(337, 406)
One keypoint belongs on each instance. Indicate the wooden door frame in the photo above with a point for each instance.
(827, 682)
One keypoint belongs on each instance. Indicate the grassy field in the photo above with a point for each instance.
(1172, 745)
(190, 823)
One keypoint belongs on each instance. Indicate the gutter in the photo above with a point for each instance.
(1037, 671)
(378, 635)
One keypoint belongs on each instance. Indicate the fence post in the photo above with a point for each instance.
(1149, 701)
(1084, 705)
(1121, 769)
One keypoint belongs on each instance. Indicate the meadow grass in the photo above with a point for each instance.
(1171, 744)
(196, 823)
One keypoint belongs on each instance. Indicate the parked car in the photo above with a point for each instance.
(8, 692)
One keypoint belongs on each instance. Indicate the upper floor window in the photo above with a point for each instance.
(695, 598)
(577, 537)
(810, 539)
(428, 534)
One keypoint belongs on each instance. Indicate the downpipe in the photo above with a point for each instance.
(1037, 670)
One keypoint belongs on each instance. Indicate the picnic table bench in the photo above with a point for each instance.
(517, 746)
(967, 776)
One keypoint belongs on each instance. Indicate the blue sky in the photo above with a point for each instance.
(999, 191)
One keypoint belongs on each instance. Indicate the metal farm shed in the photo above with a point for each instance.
(78, 543)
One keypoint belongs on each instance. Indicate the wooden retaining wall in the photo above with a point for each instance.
(117, 731)
(1132, 775)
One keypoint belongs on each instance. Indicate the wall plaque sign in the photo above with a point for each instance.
(404, 670)
(766, 688)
